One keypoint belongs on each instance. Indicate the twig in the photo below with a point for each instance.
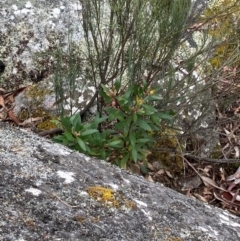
(50, 132)
(206, 159)
(197, 158)
(64, 201)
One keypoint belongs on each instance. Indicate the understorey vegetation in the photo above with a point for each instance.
(166, 81)
(127, 48)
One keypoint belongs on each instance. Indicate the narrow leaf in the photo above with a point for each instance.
(154, 97)
(115, 143)
(81, 144)
(149, 108)
(155, 119)
(88, 132)
(69, 135)
(132, 138)
(135, 117)
(123, 162)
(134, 154)
(143, 140)
(65, 122)
(165, 117)
(144, 125)
(117, 84)
(128, 93)
(76, 121)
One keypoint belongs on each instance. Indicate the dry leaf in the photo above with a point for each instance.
(149, 178)
(210, 182)
(160, 172)
(150, 167)
(236, 196)
(13, 117)
(207, 169)
(233, 184)
(2, 103)
(229, 198)
(234, 176)
(3, 90)
(223, 174)
(200, 197)
(236, 152)
(169, 174)
(206, 191)
(30, 120)
(11, 98)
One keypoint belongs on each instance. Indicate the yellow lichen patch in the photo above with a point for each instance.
(38, 92)
(47, 124)
(109, 197)
(79, 218)
(31, 113)
(103, 195)
(173, 239)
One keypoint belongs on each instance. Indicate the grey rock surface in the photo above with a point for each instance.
(44, 195)
(31, 34)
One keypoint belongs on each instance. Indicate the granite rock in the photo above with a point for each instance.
(49, 192)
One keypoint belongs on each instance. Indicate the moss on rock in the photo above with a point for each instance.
(166, 149)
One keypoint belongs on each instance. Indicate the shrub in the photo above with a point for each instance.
(123, 136)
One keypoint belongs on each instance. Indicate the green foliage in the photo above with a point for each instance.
(123, 136)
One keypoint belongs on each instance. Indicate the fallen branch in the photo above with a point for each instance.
(206, 159)
(50, 132)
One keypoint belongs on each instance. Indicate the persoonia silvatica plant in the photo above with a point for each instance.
(124, 135)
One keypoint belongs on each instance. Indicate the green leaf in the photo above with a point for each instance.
(171, 112)
(145, 84)
(59, 138)
(153, 97)
(155, 119)
(115, 143)
(69, 135)
(115, 114)
(76, 121)
(105, 96)
(165, 116)
(128, 93)
(105, 88)
(143, 140)
(141, 112)
(143, 168)
(65, 122)
(117, 84)
(81, 144)
(136, 89)
(100, 120)
(149, 113)
(135, 117)
(149, 108)
(89, 132)
(123, 162)
(132, 138)
(144, 125)
(134, 154)
(56, 122)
